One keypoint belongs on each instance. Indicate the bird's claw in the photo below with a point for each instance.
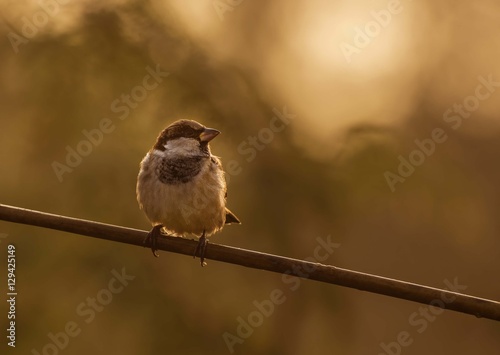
(201, 249)
(152, 239)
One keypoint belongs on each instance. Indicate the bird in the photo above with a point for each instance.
(181, 186)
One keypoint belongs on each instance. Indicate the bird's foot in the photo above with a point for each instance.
(201, 248)
(152, 239)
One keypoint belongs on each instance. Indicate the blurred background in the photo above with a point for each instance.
(360, 82)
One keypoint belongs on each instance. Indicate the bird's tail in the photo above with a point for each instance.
(231, 217)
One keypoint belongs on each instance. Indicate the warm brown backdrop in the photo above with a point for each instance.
(322, 175)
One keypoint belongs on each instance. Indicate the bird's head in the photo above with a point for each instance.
(185, 138)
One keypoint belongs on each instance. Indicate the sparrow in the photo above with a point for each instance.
(181, 186)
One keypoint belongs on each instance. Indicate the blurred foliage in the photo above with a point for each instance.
(322, 175)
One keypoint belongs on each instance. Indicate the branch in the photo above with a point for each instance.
(478, 307)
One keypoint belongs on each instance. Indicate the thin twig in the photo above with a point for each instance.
(478, 307)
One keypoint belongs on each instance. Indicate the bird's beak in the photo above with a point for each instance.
(208, 134)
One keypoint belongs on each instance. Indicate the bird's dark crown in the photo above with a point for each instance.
(179, 129)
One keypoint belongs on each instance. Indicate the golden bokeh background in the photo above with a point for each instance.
(361, 83)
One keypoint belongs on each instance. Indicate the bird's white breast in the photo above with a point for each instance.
(184, 208)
